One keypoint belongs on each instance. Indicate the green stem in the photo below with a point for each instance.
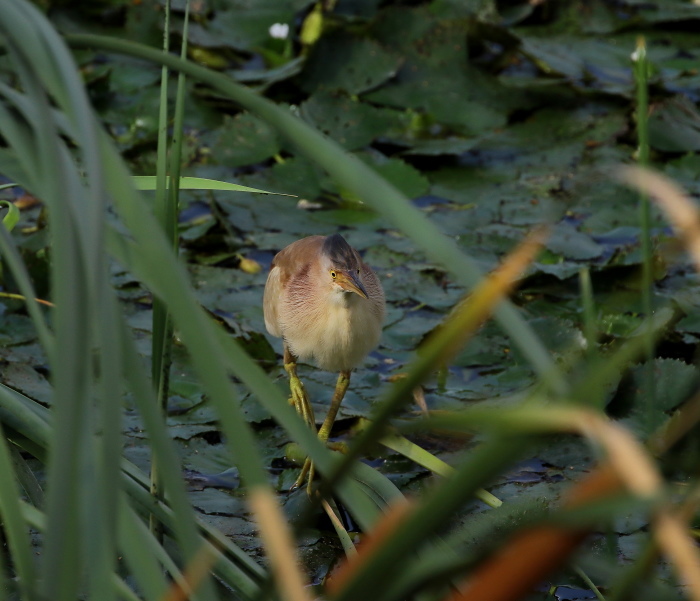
(161, 334)
(590, 326)
(589, 583)
(640, 72)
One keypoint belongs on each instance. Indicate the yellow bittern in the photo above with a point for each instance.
(327, 305)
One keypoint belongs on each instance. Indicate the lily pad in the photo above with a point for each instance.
(674, 126)
(351, 123)
(243, 25)
(343, 61)
(674, 381)
(244, 140)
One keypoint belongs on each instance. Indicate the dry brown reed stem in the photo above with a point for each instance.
(419, 398)
(464, 320)
(279, 546)
(636, 469)
(534, 553)
(394, 517)
(192, 576)
(680, 210)
(517, 567)
(20, 297)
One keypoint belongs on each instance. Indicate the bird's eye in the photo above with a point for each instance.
(333, 274)
(358, 272)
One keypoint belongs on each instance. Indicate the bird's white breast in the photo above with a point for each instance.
(338, 335)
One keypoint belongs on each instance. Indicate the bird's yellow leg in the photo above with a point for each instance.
(308, 471)
(341, 388)
(302, 404)
(299, 399)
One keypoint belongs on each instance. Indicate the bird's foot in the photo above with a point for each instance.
(340, 447)
(306, 474)
(308, 471)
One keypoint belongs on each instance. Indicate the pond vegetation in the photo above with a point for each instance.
(436, 137)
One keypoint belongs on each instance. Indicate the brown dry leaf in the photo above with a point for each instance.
(478, 306)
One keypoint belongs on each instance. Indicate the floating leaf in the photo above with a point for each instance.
(244, 140)
(351, 123)
(674, 126)
(343, 61)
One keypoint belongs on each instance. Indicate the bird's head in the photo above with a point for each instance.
(343, 265)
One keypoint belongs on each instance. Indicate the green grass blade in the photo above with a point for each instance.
(11, 218)
(162, 330)
(148, 182)
(13, 260)
(144, 556)
(15, 527)
(436, 508)
(641, 71)
(422, 457)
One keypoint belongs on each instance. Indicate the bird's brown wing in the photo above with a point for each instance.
(287, 263)
(271, 299)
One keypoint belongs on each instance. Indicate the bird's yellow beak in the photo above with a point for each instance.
(350, 281)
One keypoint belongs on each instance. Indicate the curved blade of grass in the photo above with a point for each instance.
(422, 457)
(165, 213)
(148, 182)
(343, 536)
(15, 527)
(142, 553)
(31, 419)
(28, 482)
(437, 350)
(62, 557)
(437, 506)
(12, 217)
(79, 492)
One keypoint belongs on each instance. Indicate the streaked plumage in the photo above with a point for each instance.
(322, 319)
(328, 306)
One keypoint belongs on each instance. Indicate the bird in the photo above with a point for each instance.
(328, 307)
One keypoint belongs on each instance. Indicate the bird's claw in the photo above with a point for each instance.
(306, 474)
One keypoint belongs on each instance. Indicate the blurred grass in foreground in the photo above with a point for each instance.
(91, 506)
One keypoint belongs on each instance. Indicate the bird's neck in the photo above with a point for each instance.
(343, 298)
